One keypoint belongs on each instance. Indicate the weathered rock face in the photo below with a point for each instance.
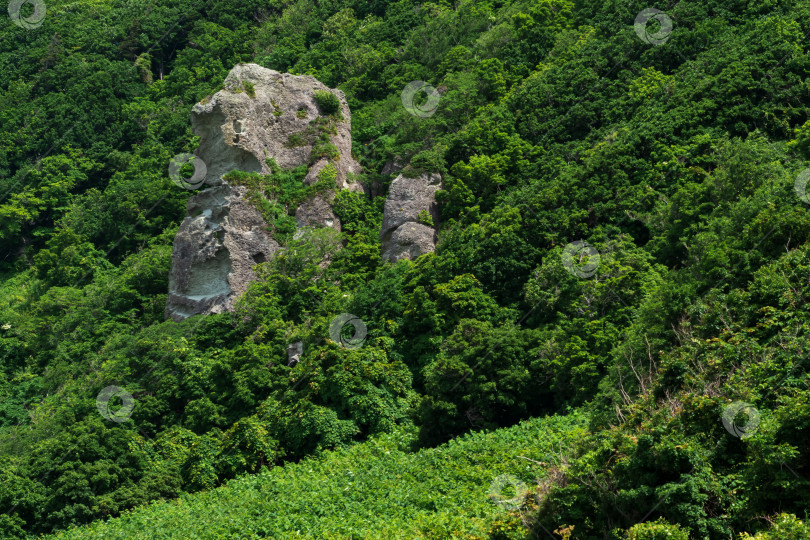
(240, 132)
(409, 241)
(316, 212)
(214, 251)
(260, 114)
(402, 234)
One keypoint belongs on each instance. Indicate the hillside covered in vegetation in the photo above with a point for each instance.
(374, 489)
(609, 340)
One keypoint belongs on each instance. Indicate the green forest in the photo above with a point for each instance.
(608, 342)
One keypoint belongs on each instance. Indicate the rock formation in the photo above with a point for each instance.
(258, 115)
(244, 124)
(404, 232)
(294, 352)
(214, 251)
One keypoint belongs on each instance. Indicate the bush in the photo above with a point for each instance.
(659, 529)
(328, 103)
(250, 89)
(425, 218)
(784, 527)
(323, 149)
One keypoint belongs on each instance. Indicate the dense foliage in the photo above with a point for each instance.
(679, 163)
(374, 489)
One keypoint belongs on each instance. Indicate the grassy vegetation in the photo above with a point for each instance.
(375, 489)
(250, 89)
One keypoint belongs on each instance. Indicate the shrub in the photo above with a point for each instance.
(659, 529)
(784, 527)
(328, 103)
(328, 173)
(250, 89)
(295, 140)
(322, 148)
(425, 218)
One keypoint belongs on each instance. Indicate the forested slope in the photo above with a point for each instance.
(624, 231)
(467, 488)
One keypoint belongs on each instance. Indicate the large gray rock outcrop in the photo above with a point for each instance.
(238, 131)
(214, 251)
(259, 114)
(403, 235)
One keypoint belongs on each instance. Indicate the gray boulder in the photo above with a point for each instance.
(409, 241)
(393, 166)
(403, 235)
(316, 212)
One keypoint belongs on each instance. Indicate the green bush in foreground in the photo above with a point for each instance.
(784, 527)
(376, 489)
(327, 102)
(659, 529)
